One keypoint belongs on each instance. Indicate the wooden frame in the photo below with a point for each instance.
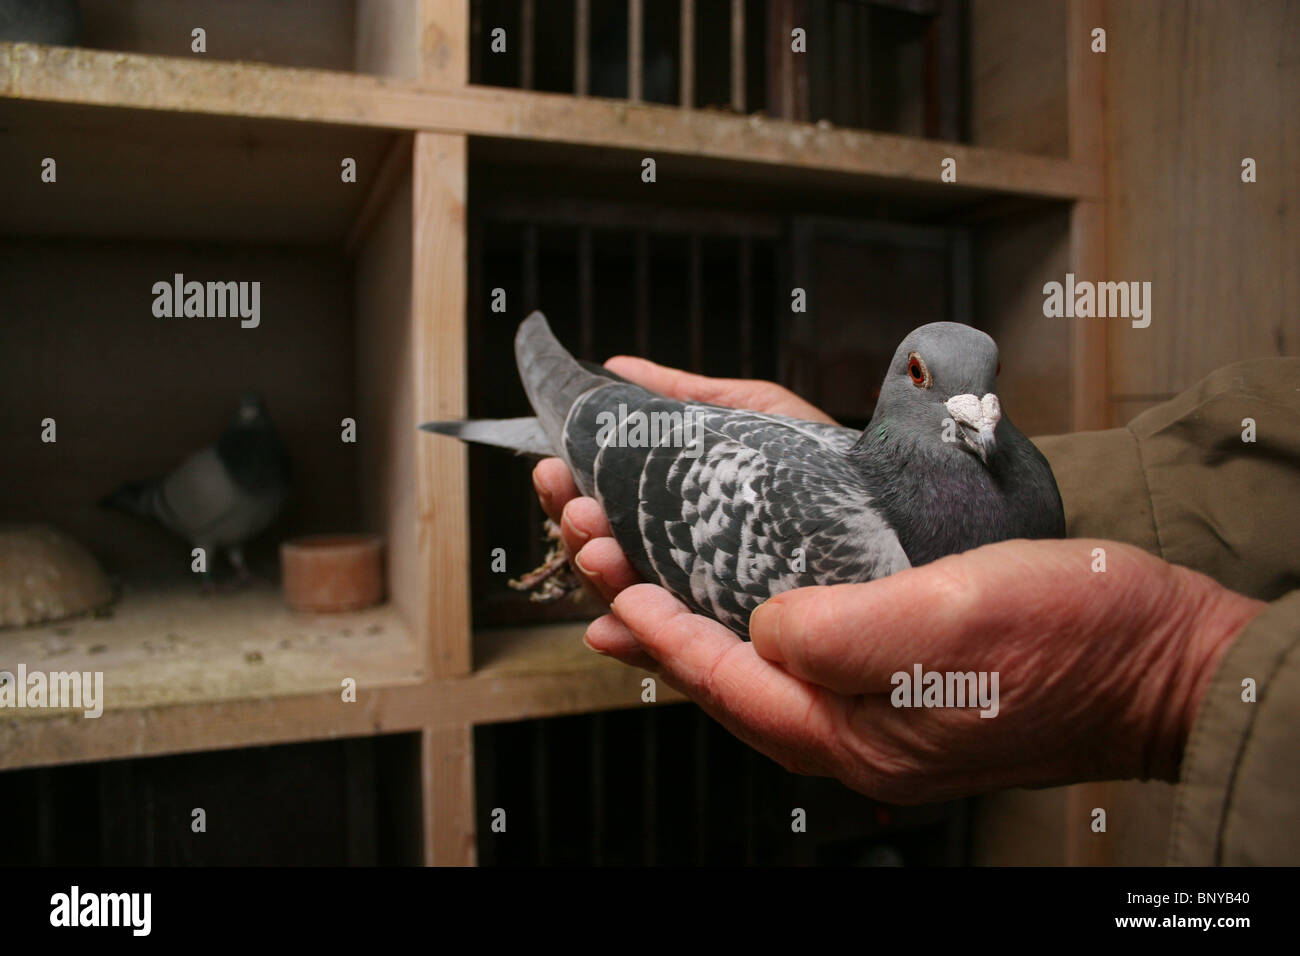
(423, 51)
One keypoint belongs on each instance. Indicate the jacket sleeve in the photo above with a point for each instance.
(1211, 480)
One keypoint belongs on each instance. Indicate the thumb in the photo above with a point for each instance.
(851, 638)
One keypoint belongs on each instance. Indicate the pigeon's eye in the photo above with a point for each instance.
(917, 371)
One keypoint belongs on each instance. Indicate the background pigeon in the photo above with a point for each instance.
(223, 495)
(730, 507)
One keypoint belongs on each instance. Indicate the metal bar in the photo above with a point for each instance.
(642, 293)
(650, 813)
(697, 310)
(541, 794)
(527, 23)
(746, 307)
(701, 754)
(687, 55)
(597, 789)
(635, 49)
(530, 267)
(581, 45)
(738, 55)
(586, 324)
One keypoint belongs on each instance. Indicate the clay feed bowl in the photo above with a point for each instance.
(333, 572)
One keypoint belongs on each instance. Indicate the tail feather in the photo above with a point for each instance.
(553, 379)
(524, 435)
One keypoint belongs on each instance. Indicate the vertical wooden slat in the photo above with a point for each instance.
(635, 49)
(944, 72)
(586, 309)
(643, 293)
(528, 30)
(738, 55)
(746, 307)
(447, 777)
(581, 46)
(850, 65)
(438, 273)
(863, 102)
(442, 32)
(1085, 86)
(780, 88)
(1085, 83)
(696, 280)
(687, 54)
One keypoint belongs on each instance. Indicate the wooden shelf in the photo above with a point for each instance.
(182, 673)
(795, 153)
(172, 644)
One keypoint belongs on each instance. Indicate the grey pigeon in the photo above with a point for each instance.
(223, 495)
(726, 508)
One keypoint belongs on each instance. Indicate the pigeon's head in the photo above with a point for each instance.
(946, 370)
(251, 411)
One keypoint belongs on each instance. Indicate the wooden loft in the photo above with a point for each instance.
(411, 113)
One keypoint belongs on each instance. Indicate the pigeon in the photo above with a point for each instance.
(726, 507)
(223, 495)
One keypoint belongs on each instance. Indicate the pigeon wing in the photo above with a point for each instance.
(734, 508)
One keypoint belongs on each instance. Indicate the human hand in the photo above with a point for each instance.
(1099, 673)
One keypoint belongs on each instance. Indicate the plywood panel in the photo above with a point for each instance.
(133, 394)
(1193, 88)
(315, 33)
(1017, 75)
(1013, 258)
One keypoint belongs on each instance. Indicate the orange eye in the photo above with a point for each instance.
(917, 372)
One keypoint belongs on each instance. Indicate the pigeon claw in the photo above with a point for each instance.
(553, 579)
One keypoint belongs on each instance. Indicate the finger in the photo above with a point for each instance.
(608, 635)
(582, 520)
(732, 392)
(756, 701)
(602, 564)
(554, 485)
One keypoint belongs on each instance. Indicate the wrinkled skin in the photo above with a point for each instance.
(1100, 674)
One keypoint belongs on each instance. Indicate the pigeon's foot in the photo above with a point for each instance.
(553, 579)
(243, 577)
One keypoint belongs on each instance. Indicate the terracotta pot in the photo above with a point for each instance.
(333, 572)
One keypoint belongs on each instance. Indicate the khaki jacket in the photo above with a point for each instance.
(1180, 482)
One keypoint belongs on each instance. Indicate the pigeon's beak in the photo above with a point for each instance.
(977, 420)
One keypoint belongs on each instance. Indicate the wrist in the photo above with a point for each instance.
(1216, 616)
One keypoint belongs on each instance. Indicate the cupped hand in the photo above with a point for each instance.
(1099, 673)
